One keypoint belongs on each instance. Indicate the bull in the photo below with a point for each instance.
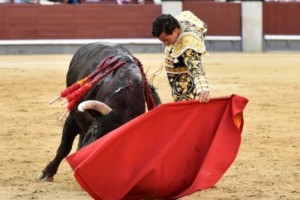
(118, 91)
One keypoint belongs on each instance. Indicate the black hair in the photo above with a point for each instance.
(164, 23)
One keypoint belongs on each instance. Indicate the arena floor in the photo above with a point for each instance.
(268, 163)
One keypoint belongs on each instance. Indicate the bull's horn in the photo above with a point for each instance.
(94, 105)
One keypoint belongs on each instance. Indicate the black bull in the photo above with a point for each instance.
(119, 97)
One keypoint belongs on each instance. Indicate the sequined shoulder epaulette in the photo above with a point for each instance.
(188, 40)
(190, 17)
(192, 36)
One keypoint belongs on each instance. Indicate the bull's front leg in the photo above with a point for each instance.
(70, 131)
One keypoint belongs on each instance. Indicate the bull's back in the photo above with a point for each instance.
(87, 58)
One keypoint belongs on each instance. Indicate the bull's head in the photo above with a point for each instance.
(107, 120)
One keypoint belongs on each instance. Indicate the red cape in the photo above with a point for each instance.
(168, 152)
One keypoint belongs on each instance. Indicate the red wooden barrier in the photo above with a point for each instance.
(281, 18)
(88, 21)
(93, 21)
(222, 18)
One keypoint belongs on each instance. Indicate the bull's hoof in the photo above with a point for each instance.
(43, 177)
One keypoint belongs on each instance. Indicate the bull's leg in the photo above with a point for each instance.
(70, 131)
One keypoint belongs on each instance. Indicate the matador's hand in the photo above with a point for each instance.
(204, 96)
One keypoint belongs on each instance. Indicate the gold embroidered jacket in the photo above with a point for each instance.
(183, 60)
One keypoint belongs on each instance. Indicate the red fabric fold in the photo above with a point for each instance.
(171, 151)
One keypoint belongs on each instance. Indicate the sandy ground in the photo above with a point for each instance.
(267, 165)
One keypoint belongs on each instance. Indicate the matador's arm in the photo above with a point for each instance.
(193, 60)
